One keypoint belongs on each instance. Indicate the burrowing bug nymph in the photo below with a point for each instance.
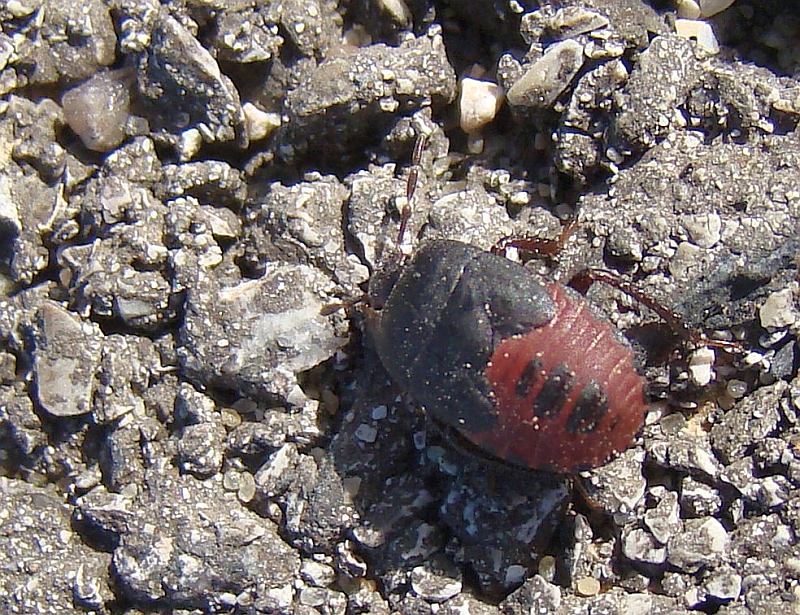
(522, 370)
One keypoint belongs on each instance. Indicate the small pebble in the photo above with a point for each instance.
(699, 31)
(230, 480)
(190, 143)
(778, 310)
(366, 433)
(736, 388)
(259, 124)
(548, 77)
(587, 586)
(230, 418)
(97, 110)
(688, 9)
(712, 7)
(479, 102)
(247, 488)
(700, 366)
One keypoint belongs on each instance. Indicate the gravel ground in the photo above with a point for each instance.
(187, 191)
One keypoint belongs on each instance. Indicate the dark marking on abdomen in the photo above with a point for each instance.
(554, 392)
(530, 373)
(591, 407)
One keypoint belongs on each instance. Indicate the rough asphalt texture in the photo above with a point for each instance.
(188, 425)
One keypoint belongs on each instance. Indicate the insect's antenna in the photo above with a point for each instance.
(411, 184)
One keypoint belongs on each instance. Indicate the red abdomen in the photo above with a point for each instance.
(567, 394)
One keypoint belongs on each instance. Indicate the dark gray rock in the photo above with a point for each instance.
(699, 499)
(748, 422)
(346, 94)
(185, 86)
(127, 367)
(437, 580)
(20, 427)
(121, 458)
(703, 542)
(663, 520)
(69, 46)
(301, 223)
(248, 34)
(229, 551)
(502, 526)
(660, 82)
(211, 182)
(618, 487)
(201, 448)
(535, 596)
(640, 546)
(51, 569)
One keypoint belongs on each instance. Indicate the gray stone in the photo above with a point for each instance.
(97, 110)
(503, 529)
(201, 448)
(660, 81)
(664, 519)
(699, 499)
(723, 585)
(71, 45)
(127, 366)
(563, 23)
(640, 546)
(536, 595)
(704, 542)
(752, 419)
(155, 558)
(301, 222)
(618, 487)
(686, 454)
(255, 336)
(547, 77)
(436, 581)
(249, 34)
(211, 182)
(66, 358)
(20, 427)
(356, 92)
(121, 459)
(317, 573)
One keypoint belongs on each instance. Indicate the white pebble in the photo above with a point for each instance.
(700, 366)
(479, 102)
(259, 124)
(778, 310)
(700, 31)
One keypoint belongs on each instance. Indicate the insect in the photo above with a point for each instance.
(521, 369)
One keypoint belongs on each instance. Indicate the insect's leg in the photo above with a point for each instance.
(583, 280)
(537, 246)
